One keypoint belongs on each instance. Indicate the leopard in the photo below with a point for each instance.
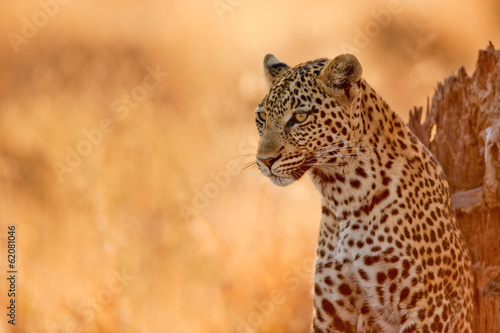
(390, 256)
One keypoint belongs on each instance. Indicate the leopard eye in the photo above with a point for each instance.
(300, 117)
(261, 115)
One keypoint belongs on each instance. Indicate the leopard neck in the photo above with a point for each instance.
(360, 179)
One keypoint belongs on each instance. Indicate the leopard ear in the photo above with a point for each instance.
(342, 72)
(273, 68)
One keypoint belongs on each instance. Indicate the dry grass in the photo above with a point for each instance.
(235, 259)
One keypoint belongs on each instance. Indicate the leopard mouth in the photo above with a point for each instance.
(293, 175)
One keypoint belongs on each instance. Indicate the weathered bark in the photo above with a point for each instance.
(462, 128)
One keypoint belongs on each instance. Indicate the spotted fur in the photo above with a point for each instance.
(390, 257)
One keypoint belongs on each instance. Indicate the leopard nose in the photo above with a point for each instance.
(268, 162)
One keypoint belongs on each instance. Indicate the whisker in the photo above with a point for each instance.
(339, 152)
(236, 158)
(257, 177)
(345, 147)
(247, 166)
(356, 155)
(350, 142)
(248, 173)
(328, 166)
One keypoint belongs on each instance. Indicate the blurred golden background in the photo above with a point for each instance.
(124, 126)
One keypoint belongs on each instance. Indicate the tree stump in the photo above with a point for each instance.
(462, 128)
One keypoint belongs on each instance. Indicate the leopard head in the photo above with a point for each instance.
(308, 114)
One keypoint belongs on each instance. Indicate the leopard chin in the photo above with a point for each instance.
(281, 181)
